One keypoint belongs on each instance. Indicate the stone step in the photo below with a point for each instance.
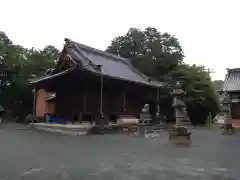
(104, 130)
(153, 128)
(15, 127)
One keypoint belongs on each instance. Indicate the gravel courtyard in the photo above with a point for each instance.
(29, 154)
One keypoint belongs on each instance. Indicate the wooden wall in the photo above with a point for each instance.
(88, 102)
(42, 106)
(236, 110)
(40, 103)
(80, 92)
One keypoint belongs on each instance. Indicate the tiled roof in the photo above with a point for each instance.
(36, 80)
(111, 65)
(232, 80)
(50, 96)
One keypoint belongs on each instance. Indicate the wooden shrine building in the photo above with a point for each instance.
(87, 84)
(231, 86)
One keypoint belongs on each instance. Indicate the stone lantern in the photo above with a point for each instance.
(145, 117)
(179, 106)
(179, 133)
(226, 109)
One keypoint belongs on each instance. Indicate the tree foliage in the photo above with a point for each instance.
(152, 52)
(159, 55)
(201, 97)
(23, 64)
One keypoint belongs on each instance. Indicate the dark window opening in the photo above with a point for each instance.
(113, 118)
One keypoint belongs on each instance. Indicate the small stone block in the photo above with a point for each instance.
(182, 140)
(180, 135)
(228, 129)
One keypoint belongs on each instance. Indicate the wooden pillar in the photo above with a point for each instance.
(158, 108)
(156, 115)
(101, 95)
(84, 102)
(124, 101)
(102, 118)
(34, 102)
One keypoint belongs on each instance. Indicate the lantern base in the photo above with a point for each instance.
(228, 129)
(180, 136)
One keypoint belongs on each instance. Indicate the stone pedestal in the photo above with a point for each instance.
(179, 133)
(226, 108)
(228, 129)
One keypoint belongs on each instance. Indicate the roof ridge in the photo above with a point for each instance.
(89, 48)
(233, 70)
(122, 59)
(232, 80)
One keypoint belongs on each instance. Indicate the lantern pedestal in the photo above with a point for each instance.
(180, 135)
(228, 129)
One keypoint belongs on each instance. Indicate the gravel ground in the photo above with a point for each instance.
(29, 154)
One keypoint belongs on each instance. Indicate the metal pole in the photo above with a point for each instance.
(101, 104)
(124, 101)
(84, 102)
(101, 95)
(158, 108)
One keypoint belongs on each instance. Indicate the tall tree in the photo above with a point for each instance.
(152, 52)
(160, 55)
(24, 64)
(201, 96)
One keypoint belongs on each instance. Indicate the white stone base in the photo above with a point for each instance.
(127, 120)
(65, 129)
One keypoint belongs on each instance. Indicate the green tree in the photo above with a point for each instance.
(24, 64)
(6, 48)
(153, 53)
(40, 62)
(201, 97)
(159, 55)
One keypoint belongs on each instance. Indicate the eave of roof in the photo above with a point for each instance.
(36, 80)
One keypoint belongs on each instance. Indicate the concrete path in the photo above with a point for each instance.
(29, 154)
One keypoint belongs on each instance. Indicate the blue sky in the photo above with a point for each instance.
(208, 30)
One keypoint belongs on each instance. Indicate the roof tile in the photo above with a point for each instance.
(232, 80)
(113, 66)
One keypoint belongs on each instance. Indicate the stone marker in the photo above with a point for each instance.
(145, 117)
